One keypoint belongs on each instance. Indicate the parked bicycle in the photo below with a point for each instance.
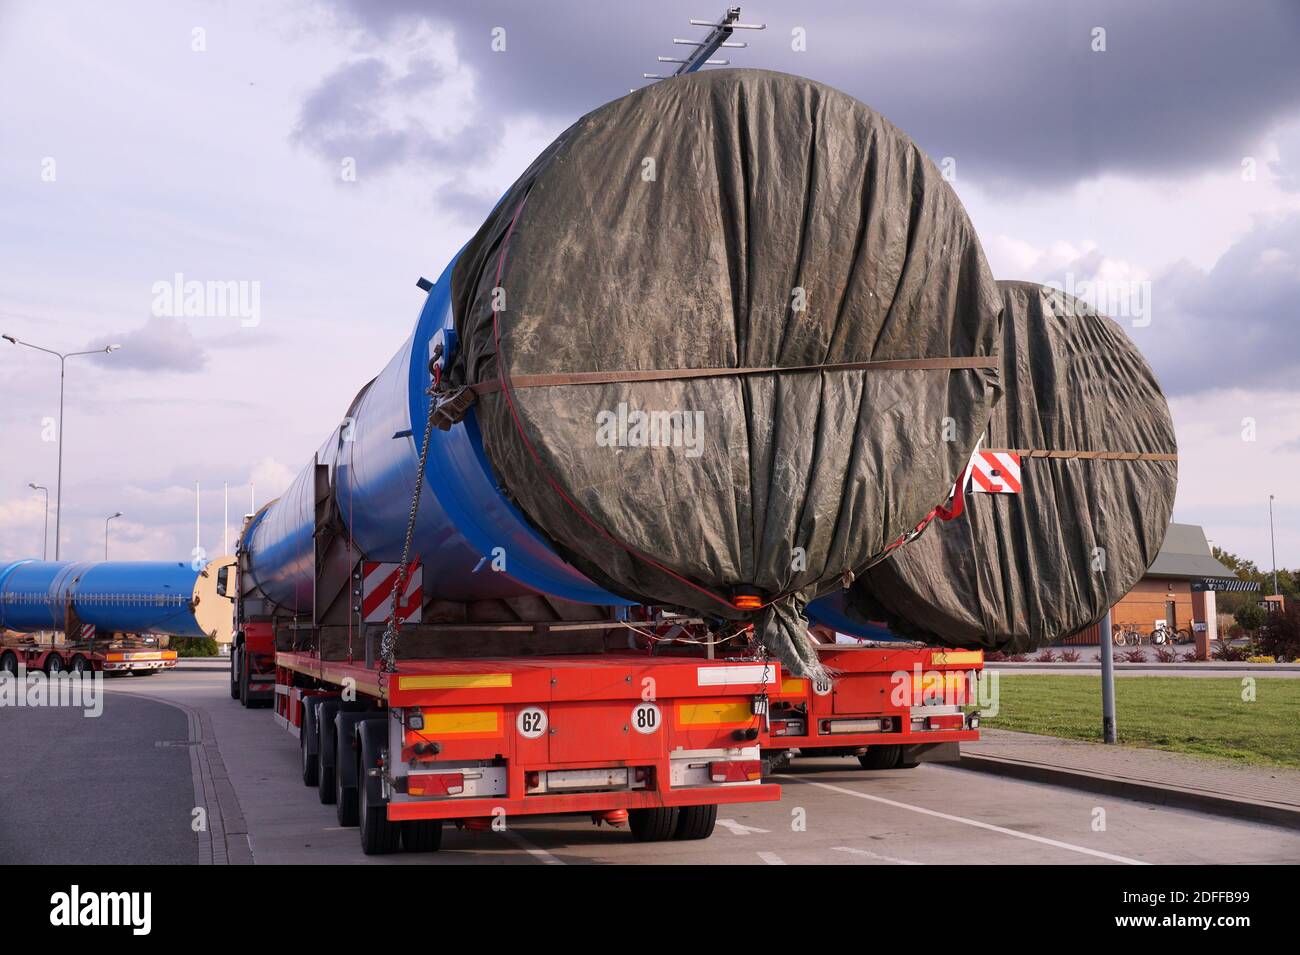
(1125, 636)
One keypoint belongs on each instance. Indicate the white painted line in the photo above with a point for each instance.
(771, 858)
(875, 855)
(970, 822)
(535, 851)
(739, 828)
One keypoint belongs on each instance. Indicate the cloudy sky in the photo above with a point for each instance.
(139, 141)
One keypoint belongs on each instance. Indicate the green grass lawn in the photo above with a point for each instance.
(1203, 716)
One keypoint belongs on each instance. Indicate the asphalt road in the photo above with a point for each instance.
(114, 788)
(832, 812)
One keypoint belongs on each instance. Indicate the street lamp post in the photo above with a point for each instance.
(63, 358)
(106, 520)
(45, 538)
(1272, 543)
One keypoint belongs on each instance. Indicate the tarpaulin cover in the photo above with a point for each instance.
(720, 220)
(1017, 571)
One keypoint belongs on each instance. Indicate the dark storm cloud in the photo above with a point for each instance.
(1012, 90)
(1234, 326)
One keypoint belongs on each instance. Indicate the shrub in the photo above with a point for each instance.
(1227, 652)
(1166, 654)
(1250, 617)
(1014, 658)
(1069, 656)
(194, 646)
(1280, 636)
(1135, 655)
(1188, 657)
(1261, 659)
(1045, 656)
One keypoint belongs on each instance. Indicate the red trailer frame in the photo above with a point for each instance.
(889, 706)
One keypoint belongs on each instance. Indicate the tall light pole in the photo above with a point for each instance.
(45, 538)
(106, 520)
(63, 359)
(1272, 542)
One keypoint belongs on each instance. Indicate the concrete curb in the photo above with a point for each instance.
(1163, 794)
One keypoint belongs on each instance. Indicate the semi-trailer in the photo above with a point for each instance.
(111, 655)
(111, 614)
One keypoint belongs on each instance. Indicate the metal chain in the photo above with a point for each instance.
(388, 645)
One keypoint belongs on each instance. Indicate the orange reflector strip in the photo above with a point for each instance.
(749, 602)
(465, 724)
(715, 713)
(940, 658)
(455, 681)
(793, 686)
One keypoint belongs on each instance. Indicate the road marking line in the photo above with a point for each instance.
(970, 822)
(771, 858)
(535, 851)
(875, 855)
(739, 828)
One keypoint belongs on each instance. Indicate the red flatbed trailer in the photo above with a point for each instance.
(889, 706)
(86, 657)
(657, 742)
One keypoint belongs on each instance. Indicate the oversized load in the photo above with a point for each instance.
(138, 597)
(729, 337)
(724, 340)
(1084, 412)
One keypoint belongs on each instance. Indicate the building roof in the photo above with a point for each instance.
(1186, 553)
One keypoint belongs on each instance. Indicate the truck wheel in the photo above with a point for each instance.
(696, 822)
(243, 680)
(234, 672)
(881, 757)
(53, 664)
(325, 714)
(345, 797)
(9, 664)
(378, 835)
(653, 825)
(79, 664)
(307, 736)
(421, 835)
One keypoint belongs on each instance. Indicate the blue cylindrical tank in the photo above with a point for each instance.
(156, 597)
(473, 542)
(829, 612)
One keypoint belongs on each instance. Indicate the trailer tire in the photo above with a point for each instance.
(653, 825)
(53, 664)
(235, 664)
(307, 741)
(421, 835)
(325, 713)
(9, 663)
(379, 836)
(696, 822)
(346, 745)
(79, 664)
(243, 680)
(881, 757)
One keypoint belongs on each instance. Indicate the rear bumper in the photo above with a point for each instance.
(581, 802)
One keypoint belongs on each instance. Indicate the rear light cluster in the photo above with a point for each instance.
(953, 721)
(436, 784)
(736, 771)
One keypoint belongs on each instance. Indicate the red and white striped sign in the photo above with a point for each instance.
(377, 583)
(995, 472)
(87, 632)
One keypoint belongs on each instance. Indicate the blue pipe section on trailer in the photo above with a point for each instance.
(472, 541)
(157, 597)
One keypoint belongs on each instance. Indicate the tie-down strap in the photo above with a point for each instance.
(677, 374)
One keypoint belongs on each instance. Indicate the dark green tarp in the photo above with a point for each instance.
(732, 218)
(1015, 572)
